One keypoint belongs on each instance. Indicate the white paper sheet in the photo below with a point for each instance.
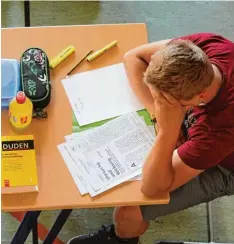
(73, 169)
(112, 153)
(136, 178)
(100, 94)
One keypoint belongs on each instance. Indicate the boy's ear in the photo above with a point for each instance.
(202, 96)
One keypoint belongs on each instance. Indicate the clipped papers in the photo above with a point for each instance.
(109, 155)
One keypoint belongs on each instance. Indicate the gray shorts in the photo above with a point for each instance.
(209, 185)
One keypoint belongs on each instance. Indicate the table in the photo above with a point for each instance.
(56, 187)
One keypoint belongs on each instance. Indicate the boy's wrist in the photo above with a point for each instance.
(170, 136)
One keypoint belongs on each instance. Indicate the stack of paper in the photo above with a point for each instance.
(100, 94)
(106, 156)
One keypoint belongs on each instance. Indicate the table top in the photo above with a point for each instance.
(57, 189)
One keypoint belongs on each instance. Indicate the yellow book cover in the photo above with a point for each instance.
(19, 169)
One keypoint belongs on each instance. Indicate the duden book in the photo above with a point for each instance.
(19, 169)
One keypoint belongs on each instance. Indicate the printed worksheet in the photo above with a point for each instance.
(78, 134)
(75, 135)
(112, 153)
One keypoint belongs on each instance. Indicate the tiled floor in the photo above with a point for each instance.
(164, 20)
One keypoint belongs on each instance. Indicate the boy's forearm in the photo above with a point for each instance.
(158, 173)
(135, 68)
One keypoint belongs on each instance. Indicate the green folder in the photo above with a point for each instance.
(77, 128)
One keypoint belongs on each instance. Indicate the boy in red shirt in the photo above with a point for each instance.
(187, 84)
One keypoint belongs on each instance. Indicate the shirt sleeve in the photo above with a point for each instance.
(196, 37)
(219, 49)
(207, 149)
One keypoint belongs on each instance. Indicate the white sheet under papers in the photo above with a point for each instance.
(74, 171)
(100, 94)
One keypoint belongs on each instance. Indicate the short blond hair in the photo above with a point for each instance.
(183, 70)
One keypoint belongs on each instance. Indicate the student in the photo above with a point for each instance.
(186, 83)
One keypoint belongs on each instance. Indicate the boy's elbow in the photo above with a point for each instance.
(154, 191)
(148, 192)
(129, 55)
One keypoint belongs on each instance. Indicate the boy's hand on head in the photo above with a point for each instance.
(168, 112)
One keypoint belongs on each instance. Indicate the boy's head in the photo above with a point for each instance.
(181, 69)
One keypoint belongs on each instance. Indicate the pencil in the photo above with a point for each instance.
(80, 62)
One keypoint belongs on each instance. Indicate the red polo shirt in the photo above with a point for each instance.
(210, 129)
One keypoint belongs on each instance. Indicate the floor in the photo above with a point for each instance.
(164, 20)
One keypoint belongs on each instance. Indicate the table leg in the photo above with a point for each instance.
(57, 226)
(27, 13)
(29, 220)
(35, 233)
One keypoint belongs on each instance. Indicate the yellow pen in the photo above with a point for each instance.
(61, 56)
(101, 51)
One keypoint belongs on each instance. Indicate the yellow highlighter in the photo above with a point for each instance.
(101, 51)
(61, 56)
